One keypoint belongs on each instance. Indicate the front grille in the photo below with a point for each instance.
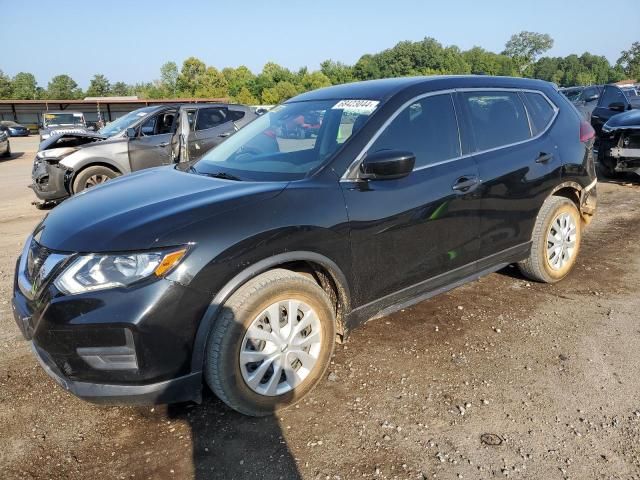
(37, 265)
(35, 260)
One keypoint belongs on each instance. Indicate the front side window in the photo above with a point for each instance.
(497, 118)
(427, 128)
(540, 111)
(288, 141)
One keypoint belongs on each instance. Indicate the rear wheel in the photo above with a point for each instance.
(7, 152)
(92, 176)
(555, 241)
(271, 343)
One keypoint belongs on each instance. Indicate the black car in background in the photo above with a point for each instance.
(613, 101)
(619, 145)
(241, 270)
(15, 129)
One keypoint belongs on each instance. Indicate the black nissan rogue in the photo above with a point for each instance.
(241, 270)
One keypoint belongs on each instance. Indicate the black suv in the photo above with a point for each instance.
(243, 269)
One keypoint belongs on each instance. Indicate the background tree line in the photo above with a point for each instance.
(522, 56)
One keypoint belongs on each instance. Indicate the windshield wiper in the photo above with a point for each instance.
(223, 175)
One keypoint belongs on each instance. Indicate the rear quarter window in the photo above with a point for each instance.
(541, 112)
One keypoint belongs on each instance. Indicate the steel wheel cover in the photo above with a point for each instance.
(561, 241)
(281, 347)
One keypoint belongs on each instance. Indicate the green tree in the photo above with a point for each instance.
(314, 80)
(24, 87)
(211, 84)
(120, 89)
(280, 92)
(239, 79)
(525, 47)
(245, 97)
(169, 77)
(63, 87)
(187, 81)
(629, 61)
(5, 85)
(99, 86)
(337, 72)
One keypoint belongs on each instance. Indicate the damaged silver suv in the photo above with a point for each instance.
(72, 161)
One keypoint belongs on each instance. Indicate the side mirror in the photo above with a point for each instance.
(591, 98)
(387, 165)
(131, 132)
(617, 106)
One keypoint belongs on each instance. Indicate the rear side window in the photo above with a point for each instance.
(210, 117)
(235, 115)
(497, 118)
(427, 128)
(612, 95)
(540, 111)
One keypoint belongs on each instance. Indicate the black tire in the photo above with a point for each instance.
(7, 153)
(537, 266)
(86, 178)
(223, 371)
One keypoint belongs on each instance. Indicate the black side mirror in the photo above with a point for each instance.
(387, 165)
(131, 132)
(617, 106)
(591, 98)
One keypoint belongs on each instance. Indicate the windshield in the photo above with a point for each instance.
(124, 122)
(287, 142)
(572, 94)
(60, 119)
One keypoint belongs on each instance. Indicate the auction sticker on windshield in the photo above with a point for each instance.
(356, 106)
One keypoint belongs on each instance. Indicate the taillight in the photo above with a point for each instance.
(586, 131)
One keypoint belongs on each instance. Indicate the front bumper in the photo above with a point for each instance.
(161, 318)
(49, 180)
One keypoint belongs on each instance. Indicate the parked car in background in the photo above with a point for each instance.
(613, 101)
(619, 145)
(572, 93)
(587, 100)
(56, 123)
(239, 271)
(72, 161)
(5, 144)
(15, 129)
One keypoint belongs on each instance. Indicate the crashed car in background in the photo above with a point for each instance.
(57, 123)
(72, 161)
(619, 149)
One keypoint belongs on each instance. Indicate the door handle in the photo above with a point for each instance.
(163, 144)
(544, 157)
(466, 183)
(225, 135)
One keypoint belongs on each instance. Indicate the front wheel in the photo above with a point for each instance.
(92, 176)
(271, 343)
(555, 241)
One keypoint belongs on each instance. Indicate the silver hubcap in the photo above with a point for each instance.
(561, 241)
(94, 180)
(281, 347)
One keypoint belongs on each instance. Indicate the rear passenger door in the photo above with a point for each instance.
(212, 126)
(518, 164)
(423, 226)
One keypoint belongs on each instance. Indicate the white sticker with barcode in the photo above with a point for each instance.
(357, 106)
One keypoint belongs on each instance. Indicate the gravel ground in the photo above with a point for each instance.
(499, 378)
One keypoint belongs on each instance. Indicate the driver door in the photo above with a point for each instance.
(152, 145)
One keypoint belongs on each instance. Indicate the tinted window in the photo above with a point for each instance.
(427, 128)
(210, 117)
(540, 111)
(612, 95)
(149, 127)
(497, 118)
(235, 115)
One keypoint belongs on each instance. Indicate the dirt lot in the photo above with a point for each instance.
(551, 372)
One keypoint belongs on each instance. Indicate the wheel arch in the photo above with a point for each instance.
(322, 269)
(97, 163)
(582, 197)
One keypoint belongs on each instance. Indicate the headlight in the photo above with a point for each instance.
(98, 272)
(56, 152)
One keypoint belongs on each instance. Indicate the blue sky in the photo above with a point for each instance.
(130, 40)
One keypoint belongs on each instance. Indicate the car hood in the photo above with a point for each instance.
(629, 119)
(69, 138)
(141, 210)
